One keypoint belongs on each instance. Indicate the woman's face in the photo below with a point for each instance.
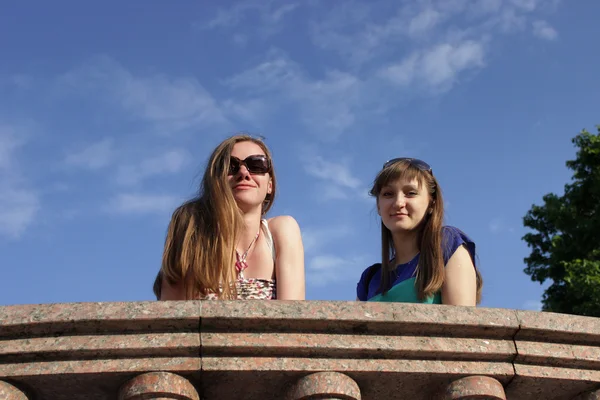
(247, 177)
(403, 204)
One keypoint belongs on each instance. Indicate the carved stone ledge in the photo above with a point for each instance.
(589, 396)
(263, 350)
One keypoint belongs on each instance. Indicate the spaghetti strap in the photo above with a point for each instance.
(269, 237)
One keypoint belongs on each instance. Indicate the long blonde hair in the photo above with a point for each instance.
(203, 232)
(430, 270)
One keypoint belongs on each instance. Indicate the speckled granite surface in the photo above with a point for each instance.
(267, 349)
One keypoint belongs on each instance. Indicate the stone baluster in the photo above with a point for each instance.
(9, 392)
(595, 395)
(325, 386)
(475, 387)
(158, 386)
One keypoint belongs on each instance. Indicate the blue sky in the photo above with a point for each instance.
(108, 112)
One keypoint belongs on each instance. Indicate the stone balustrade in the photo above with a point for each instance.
(294, 350)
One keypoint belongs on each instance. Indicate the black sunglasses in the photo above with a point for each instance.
(255, 164)
(420, 164)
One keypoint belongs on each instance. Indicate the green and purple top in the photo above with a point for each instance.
(403, 286)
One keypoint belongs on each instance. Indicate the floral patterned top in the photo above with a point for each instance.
(254, 288)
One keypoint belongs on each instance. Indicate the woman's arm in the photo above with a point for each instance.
(289, 264)
(460, 285)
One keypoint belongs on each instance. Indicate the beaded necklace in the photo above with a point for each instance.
(241, 264)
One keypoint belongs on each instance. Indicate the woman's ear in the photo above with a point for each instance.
(430, 210)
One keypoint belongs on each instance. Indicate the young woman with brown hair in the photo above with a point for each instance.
(423, 261)
(220, 246)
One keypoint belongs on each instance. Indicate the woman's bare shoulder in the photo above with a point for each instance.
(283, 224)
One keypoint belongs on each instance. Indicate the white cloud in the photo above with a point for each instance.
(323, 269)
(437, 67)
(423, 22)
(327, 106)
(140, 203)
(509, 20)
(348, 29)
(329, 192)
(404, 72)
(19, 203)
(278, 13)
(8, 144)
(425, 47)
(512, 16)
(316, 238)
(337, 173)
(527, 5)
(337, 181)
(451, 6)
(267, 76)
(166, 163)
(485, 7)
(171, 104)
(442, 64)
(180, 102)
(270, 15)
(239, 39)
(352, 31)
(360, 35)
(326, 263)
(18, 208)
(423, 53)
(252, 110)
(544, 30)
(94, 156)
(330, 105)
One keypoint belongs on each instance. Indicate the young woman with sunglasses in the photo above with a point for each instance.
(422, 260)
(220, 246)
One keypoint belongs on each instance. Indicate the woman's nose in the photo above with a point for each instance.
(243, 173)
(400, 200)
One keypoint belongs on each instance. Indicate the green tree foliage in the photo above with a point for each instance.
(565, 242)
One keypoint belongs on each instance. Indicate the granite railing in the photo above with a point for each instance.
(294, 350)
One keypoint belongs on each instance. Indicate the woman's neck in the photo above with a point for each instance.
(251, 225)
(406, 246)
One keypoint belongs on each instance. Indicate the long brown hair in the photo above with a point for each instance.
(203, 232)
(430, 270)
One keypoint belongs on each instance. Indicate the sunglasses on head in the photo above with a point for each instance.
(255, 164)
(420, 164)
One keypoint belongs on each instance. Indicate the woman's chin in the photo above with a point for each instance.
(399, 227)
(247, 204)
